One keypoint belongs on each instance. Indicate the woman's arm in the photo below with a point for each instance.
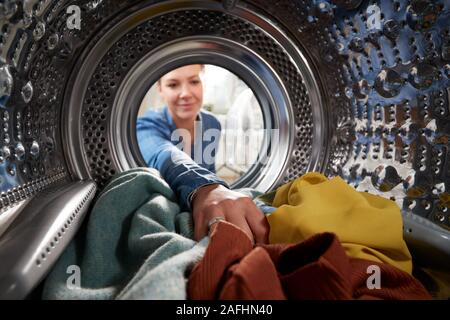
(181, 172)
(211, 195)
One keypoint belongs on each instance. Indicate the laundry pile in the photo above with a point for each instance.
(327, 241)
(136, 244)
(317, 268)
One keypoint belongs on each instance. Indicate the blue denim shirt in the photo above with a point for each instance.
(160, 151)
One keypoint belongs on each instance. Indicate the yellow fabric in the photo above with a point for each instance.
(368, 226)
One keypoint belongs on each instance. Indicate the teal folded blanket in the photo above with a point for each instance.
(136, 245)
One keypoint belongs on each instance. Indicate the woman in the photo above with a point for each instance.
(195, 183)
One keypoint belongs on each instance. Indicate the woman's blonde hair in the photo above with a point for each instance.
(201, 70)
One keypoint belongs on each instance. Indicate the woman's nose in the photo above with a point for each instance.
(185, 92)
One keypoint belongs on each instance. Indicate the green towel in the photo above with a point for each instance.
(137, 244)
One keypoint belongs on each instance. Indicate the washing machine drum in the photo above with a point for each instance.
(353, 88)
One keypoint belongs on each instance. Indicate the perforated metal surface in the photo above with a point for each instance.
(398, 84)
(310, 22)
(31, 89)
(390, 117)
(124, 54)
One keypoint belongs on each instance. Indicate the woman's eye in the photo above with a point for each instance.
(172, 85)
(195, 81)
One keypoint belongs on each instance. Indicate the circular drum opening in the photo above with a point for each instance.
(137, 51)
(230, 131)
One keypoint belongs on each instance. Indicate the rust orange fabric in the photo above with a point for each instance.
(317, 268)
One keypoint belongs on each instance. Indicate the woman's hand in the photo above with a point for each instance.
(218, 201)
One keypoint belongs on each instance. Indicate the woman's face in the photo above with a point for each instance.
(182, 91)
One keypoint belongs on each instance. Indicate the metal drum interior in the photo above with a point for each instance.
(355, 88)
